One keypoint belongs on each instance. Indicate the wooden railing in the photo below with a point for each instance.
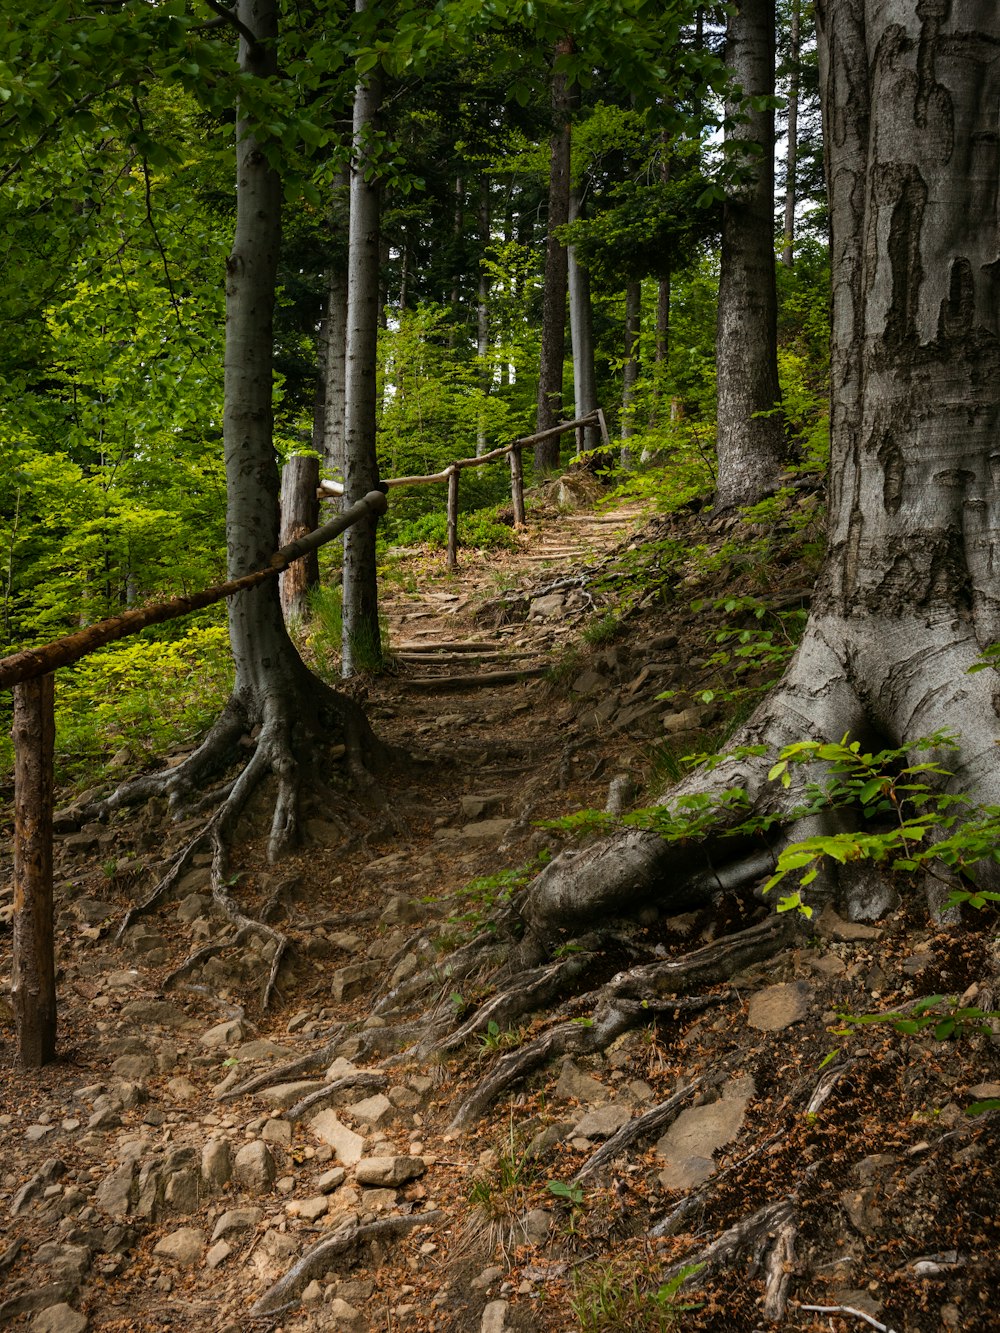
(30, 672)
(512, 451)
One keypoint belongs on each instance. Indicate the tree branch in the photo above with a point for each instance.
(229, 17)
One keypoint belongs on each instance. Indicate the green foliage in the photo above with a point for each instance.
(605, 629)
(143, 697)
(647, 229)
(480, 896)
(479, 530)
(496, 1038)
(572, 1192)
(940, 1016)
(321, 637)
(435, 404)
(928, 826)
(625, 1293)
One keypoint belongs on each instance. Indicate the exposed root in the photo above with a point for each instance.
(611, 1018)
(322, 1096)
(274, 754)
(644, 1127)
(778, 1265)
(523, 993)
(716, 962)
(754, 1235)
(343, 1246)
(461, 964)
(305, 1064)
(178, 867)
(824, 1088)
(671, 1223)
(628, 1001)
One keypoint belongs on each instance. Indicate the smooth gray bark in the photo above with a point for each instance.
(750, 436)
(362, 645)
(334, 362)
(791, 156)
(553, 353)
(483, 309)
(630, 373)
(263, 653)
(909, 593)
(581, 324)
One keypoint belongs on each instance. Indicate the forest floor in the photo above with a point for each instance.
(835, 1170)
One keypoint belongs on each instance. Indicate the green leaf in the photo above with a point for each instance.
(980, 1108)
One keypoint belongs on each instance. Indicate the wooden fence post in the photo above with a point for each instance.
(605, 436)
(517, 485)
(453, 475)
(34, 975)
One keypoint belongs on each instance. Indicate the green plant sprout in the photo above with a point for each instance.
(496, 1038)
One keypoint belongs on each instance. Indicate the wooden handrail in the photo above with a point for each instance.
(33, 662)
(451, 474)
(334, 488)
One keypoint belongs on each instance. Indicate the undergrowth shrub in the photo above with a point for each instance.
(141, 696)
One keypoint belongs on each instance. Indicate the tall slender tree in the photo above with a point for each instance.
(750, 435)
(362, 643)
(581, 324)
(550, 375)
(792, 149)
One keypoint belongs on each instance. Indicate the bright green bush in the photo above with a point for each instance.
(141, 696)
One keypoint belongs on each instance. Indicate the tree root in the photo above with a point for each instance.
(523, 993)
(670, 1224)
(778, 1265)
(284, 1294)
(755, 1234)
(455, 969)
(322, 1096)
(644, 1127)
(611, 1018)
(625, 1003)
(269, 1078)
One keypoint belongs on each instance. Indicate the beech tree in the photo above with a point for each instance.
(553, 351)
(362, 645)
(750, 437)
(908, 595)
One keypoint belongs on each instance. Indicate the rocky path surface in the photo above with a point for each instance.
(194, 1161)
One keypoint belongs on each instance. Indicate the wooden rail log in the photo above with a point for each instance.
(32, 662)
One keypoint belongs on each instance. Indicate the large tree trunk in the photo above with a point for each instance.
(909, 593)
(362, 644)
(553, 353)
(750, 438)
(276, 700)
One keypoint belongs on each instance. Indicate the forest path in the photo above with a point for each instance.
(477, 652)
(489, 616)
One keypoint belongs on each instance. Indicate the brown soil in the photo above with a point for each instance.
(893, 1185)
